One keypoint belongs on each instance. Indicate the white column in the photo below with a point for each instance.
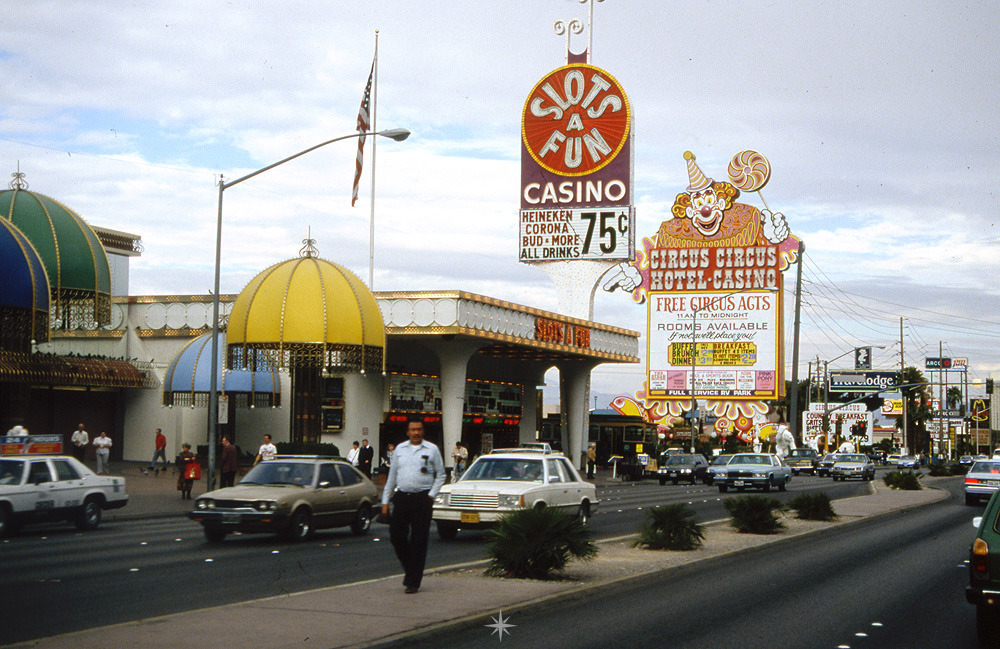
(574, 379)
(454, 359)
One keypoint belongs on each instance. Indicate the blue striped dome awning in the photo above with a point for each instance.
(189, 375)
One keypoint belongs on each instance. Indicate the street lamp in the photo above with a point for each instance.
(398, 134)
(694, 358)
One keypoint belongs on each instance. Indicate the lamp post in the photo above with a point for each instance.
(398, 134)
(694, 358)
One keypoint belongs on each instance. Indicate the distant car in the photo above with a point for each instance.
(502, 482)
(908, 462)
(857, 465)
(37, 489)
(966, 460)
(803, 460)
(753, 470)
(982, 481)
(291, 496)
(687, 467)
(715, 466)
(826, 463)
(984, 573)
(892, 459)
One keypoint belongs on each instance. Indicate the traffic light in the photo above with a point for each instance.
(873, 403)
(863, 429)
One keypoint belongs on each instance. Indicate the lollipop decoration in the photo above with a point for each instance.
(750, 171)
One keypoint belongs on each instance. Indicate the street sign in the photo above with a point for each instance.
(872, 381)
(862, 358)
(953, 413)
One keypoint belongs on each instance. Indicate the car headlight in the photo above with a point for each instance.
(758, 474)
(441, 499)
(685, 470)
(265, 505)
(205, 503)
(511, 500)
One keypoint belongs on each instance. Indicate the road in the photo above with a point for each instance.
(128, 570)
(892, 582)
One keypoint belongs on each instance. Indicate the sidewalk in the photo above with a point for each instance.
(378, 613)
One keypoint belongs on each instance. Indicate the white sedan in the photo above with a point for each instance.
(48, 488)
(508, 480)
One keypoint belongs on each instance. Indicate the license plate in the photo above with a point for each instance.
(470, 517)
(991, 483)
(231, 518)
(737, 483)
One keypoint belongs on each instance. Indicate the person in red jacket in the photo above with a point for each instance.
(228, 466)
(159, 452)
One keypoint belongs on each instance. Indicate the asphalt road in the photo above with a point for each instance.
(891, 582)
(56, 579)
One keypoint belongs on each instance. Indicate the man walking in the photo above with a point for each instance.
(160, 451)
(266, 452)
(228, 465)
(416, 474)
(80, 439)
(103, 445)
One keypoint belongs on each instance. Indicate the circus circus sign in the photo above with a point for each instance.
(576, 168)
(712, 280)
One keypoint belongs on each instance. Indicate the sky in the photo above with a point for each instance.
(879, 121)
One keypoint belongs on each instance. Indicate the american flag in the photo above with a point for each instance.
(364, 123)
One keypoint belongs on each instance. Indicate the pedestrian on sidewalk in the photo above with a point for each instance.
(352, 455)
(459, 456)
(266, 452)
(80, 439)
(103, 445)
(228, 465)
(159, 451)
(591, 461)
(365, 456)
(416, 474)
(186, 463)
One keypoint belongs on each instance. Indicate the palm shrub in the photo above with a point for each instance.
(754, 514)
(906, 480)
(813, 507)
(670, 527)
(532, 543)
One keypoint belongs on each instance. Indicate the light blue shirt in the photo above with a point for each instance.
(405, 470)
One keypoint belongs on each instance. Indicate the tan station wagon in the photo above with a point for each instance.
(291, 496)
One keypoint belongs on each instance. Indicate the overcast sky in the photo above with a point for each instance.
(878, 120)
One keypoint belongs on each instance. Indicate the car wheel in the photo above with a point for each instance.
(6, 527)
(583, 514)
(663, 481)
(673, 481)
(723, 488)
(767, 485)
(215, 534)
(971, 499)
(783, 486)
(447, 531)
(694, 480)
(362, 520)
(89, 516)
(987, 625)
(300, 528)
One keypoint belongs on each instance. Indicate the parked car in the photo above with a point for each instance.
(826, 464)
(292, 496)
(53, 488)
(803, 460)
(892, 459)
(715, 466)
(984, 573)
(982, 481)
(857, 465)
(966, 460)
(505, 481)
(756, 470)
(908, 462)
(688, 467)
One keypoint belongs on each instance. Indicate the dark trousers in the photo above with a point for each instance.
(409, 528)
(227, 478)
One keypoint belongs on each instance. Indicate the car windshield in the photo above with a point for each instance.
(10, 471)
(751, 459)
(278, 472)
(722, 459)
(495, 468)
(852, 458)
(985, 467)
(801, 452)
(680, 459)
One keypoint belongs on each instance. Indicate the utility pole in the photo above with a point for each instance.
(793, 414)
(902, 368)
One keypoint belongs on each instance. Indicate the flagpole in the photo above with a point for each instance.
(371, 219)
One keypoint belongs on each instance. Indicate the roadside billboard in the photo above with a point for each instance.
(576, 168)
(873, 381)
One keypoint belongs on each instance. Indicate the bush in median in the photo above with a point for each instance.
(531, 543)
(754, 514)
(670, 527)
(813, 507)
(906, 480)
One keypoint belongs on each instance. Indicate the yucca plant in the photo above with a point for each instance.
(532, 543)
(754, 514)
(670, 527)
(906, 480)
(813, 507)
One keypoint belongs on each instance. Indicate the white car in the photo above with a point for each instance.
(54, 487)
(507, 480)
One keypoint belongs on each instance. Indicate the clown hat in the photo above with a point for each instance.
(698, 180)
